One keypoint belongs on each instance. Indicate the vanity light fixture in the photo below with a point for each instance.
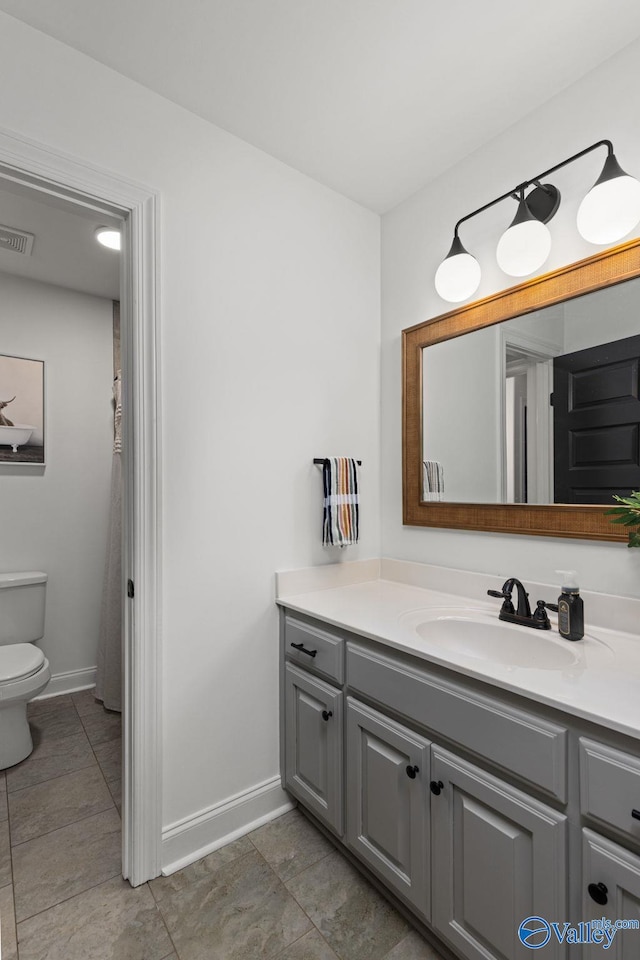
(525, 246)
(108, 237)
(458, 276)
(609, 212)
(611, 209)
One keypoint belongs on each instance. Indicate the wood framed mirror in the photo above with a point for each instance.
(563, 291)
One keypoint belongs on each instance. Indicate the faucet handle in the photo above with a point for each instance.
(507, 606)
(540, 615)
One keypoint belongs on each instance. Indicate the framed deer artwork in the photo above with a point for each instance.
(21, 410)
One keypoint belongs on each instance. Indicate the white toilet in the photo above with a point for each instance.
(24, 669)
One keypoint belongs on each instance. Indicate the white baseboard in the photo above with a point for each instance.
(194, 837)
(69, 682)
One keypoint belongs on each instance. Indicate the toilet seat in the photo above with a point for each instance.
(18, 661)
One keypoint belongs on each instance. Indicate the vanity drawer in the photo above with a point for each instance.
(532, 749)
(314, 649)
(610, 786)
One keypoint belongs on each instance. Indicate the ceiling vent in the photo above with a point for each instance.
(16, 240)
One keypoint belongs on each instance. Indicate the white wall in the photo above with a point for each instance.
(55, 518)
(602, 316)
(417, 234)
(270, 347)
(542, 327)
(461, 379)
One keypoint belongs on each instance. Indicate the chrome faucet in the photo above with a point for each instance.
(522, 614)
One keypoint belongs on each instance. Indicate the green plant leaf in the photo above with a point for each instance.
(627, 515)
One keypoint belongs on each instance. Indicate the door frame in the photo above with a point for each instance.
(50, 171)
(539, 386)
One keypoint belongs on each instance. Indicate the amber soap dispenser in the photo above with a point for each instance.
(570, 607)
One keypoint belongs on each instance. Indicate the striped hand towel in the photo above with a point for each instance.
(341, 513)
(433, 480)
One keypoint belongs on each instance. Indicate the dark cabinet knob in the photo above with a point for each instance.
(598, 892)
(326, 714)
(635, 814)
(412, 771)
(301, 647)
(436, 786)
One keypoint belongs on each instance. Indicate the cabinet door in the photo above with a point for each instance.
(498, 857)
(313, 745)
(618, 870)
(387, 801)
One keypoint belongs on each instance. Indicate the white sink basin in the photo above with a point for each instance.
(476, 635)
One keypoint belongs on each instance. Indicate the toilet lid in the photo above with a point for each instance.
(19, 660)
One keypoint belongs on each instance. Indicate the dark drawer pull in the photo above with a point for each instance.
(436, 787)
(326, 714)
(301, 647)
(598, 892)
(635, 814)
(412, 771)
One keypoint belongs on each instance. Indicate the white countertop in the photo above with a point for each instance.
(600, 682)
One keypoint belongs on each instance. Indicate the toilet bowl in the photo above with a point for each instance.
(24, 669)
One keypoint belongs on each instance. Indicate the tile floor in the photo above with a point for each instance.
(282, 892)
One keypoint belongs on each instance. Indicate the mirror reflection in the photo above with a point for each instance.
(540, 409)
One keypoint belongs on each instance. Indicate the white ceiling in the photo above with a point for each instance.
(65, 251)
(372, 97)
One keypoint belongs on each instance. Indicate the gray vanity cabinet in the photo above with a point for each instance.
(313, 745)
(498, 857)
(388, 801)
(475, 808)
(610, 799)
(613, 874)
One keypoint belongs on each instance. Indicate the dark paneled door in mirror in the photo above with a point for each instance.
(596, 407)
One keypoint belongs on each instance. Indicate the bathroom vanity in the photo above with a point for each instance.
(482, 773)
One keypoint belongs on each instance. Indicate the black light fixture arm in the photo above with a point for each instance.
(517, 193)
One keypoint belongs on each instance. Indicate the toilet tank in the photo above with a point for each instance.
(22, 598)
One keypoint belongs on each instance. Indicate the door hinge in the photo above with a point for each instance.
(550, 399)
(130, 589)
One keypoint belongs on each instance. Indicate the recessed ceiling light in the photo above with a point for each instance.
(108, 237)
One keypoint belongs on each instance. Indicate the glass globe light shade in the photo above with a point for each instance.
(525, 245)
(611, 209)
(458, 276)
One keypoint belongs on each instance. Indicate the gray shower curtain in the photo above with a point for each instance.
(109, 669)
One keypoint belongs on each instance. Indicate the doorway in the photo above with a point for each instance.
(527, 444)
(56, 176)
